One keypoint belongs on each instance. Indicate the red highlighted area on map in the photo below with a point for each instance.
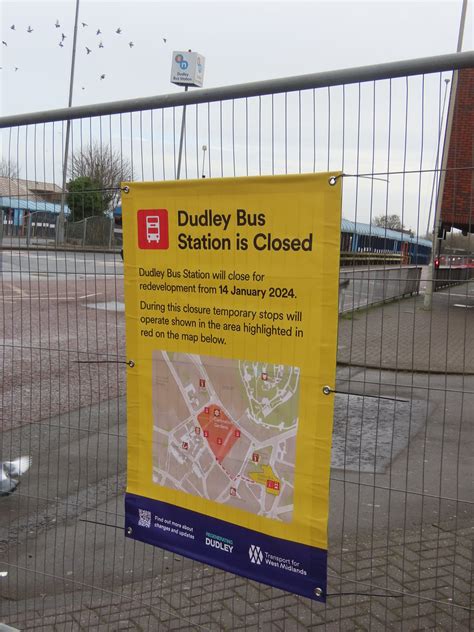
(225, 430)
(219, 431)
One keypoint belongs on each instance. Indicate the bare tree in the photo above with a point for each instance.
(392, 222)
(105, 167)
(9, 168)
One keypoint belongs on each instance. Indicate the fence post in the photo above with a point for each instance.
(111, 233)
(28, 230)
(84, 234)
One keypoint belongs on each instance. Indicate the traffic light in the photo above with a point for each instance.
(436, 263)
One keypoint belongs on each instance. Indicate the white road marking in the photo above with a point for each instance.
(35, 298)
(17, 290)
(449, 294)
(75, 260)
(49, 298)
(111, 306)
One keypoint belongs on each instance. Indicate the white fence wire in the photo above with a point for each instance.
(401, 496)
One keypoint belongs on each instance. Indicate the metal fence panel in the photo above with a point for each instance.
(401, 499)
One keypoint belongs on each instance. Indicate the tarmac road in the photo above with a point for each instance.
(42, 262)
(398, 463)
(50, 328)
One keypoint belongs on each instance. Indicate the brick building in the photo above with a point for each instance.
(457, 203)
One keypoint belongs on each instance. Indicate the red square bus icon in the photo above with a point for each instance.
(153, 229)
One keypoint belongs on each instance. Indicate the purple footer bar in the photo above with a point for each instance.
(294, 567)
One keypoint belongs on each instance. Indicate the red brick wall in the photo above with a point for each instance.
(457, 205)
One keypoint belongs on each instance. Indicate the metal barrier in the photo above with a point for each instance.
(368, 286)
(370, 258)
(445, 277)
(92, 231)
(401, 499)
(40, 229)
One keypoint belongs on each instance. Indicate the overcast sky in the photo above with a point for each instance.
(242, 42)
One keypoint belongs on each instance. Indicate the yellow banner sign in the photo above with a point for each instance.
(231, 292)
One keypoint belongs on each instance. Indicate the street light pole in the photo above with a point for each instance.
(187, 69)
(181, 139)
(61, 217)
(436, 174)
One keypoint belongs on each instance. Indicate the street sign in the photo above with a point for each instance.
(187, 68)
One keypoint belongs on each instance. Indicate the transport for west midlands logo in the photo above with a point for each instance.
(255, 554)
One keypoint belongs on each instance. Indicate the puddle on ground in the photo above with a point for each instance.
(369, 433)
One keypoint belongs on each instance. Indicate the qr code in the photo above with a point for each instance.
(144, 518)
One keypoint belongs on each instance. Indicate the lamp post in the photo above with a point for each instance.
(187, 69)
(181, 139)
(61, 217)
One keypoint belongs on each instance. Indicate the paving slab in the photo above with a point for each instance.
(403, 336)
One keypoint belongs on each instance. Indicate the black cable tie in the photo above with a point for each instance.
(333, 179)
(103, 524)
(129, 362)
(364, 594)
(327, 390)
(373, 175)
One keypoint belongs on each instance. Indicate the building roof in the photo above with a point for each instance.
(31, 205)
(359, 228)
(27, 189)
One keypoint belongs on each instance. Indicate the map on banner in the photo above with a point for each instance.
(225, 430)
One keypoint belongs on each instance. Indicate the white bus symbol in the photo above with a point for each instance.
(153, 229)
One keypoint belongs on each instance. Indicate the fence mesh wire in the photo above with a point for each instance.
(400, 498)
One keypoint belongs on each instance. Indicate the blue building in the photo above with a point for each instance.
(358, 238)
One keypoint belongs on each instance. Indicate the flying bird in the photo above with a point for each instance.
(131, 44)
(102, 76)
(84, 24)
(57, 25)
(12, 27)
(61, 44)
(88, 50)
(10, 472)
(63, 37)
(164, 39)
(118, 31)
(29, 30)
(4, 43)
(101, 45)
(16, 68)
(99, 32)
